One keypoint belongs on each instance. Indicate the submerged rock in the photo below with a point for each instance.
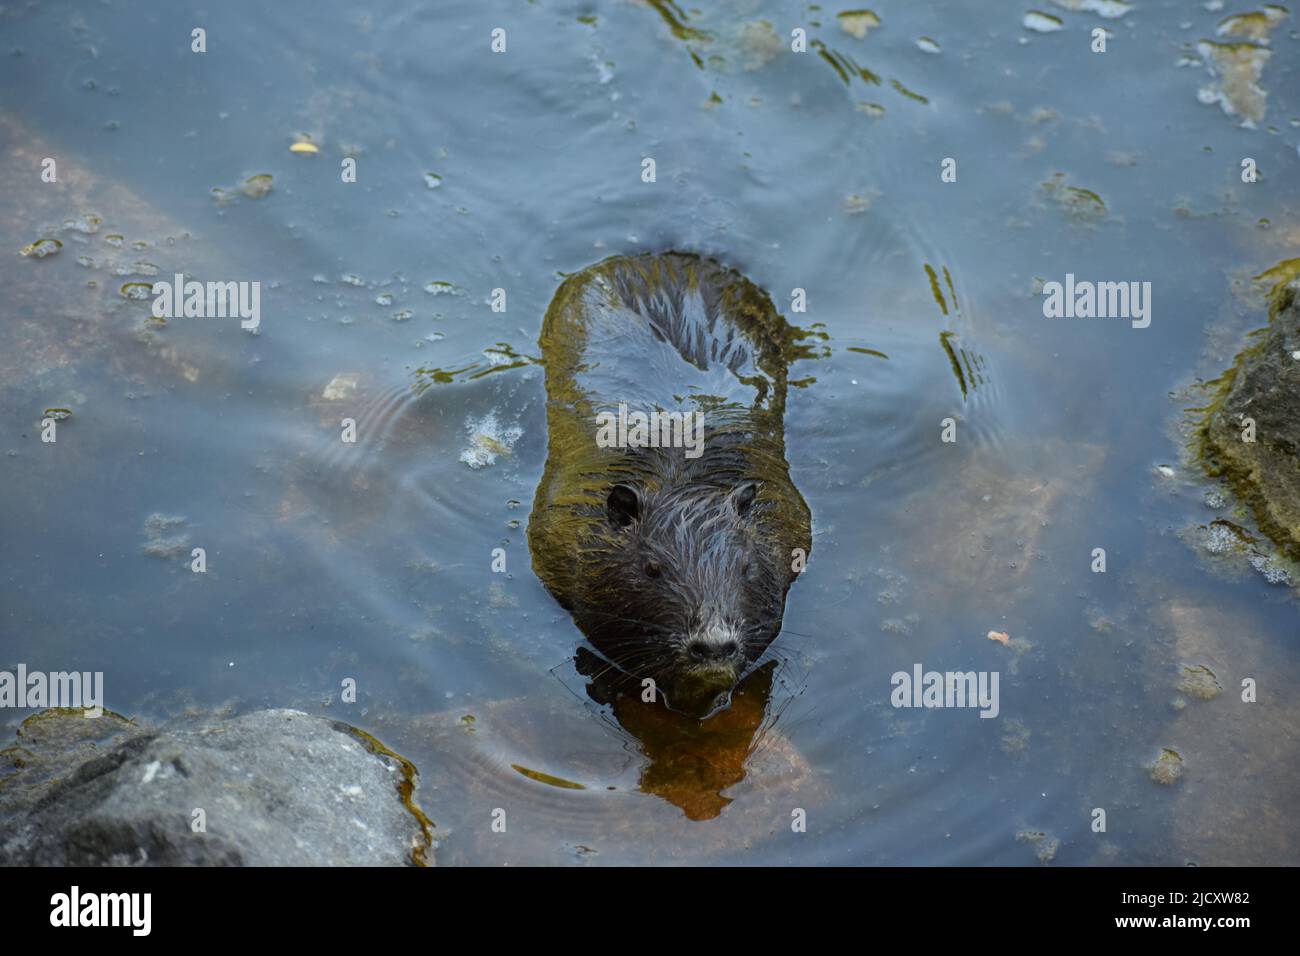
(1045, 845)
(1250, 434)
(271, 788)
(1168, 767)
(1240, 810)
(1197, 680)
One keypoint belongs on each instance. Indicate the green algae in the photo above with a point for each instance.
(501, 358)
(936, 291)
(911, 94)
(845, 67)
(1079, 204)
(547, 778)
(405, 789)
(673, 16)
(1262, 473)
(944, 338)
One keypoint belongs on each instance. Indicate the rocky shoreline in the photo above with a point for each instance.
(1250, 433)
(269, 788)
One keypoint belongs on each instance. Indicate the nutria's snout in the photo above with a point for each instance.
(707, 668)
(716, 645)
(688, 589)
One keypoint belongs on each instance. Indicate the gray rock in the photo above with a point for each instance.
(1263, 386)
(276, 787)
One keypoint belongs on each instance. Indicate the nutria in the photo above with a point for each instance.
(674, 562)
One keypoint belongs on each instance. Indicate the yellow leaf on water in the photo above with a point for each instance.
(304, 148)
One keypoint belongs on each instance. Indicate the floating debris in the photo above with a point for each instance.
(255, 187)
(855, 204)
(1237, 67)
(1041, 22)
(760, 43)
(341, 387)
(439, 287)
(1256, 25)
(304, 147)
(137, 269)
(1110, 9)
(137, 291)
(88, 224)
(856, 23)
(488, 440)
(41, 248)
(1002, 637)
(926, 45)
(432, 180)
(1082, 205)
(58, 414)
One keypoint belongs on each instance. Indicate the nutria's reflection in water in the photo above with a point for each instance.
(691, 761)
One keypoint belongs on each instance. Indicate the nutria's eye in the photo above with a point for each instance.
(652, 570)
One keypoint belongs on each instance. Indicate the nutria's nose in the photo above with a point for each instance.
(709, 651)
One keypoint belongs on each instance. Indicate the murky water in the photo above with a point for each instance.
(820, 171)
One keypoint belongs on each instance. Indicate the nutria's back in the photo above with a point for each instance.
(675, 562)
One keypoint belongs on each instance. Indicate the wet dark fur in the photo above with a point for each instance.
(674, 568)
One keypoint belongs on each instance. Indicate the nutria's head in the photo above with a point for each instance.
(687, 586)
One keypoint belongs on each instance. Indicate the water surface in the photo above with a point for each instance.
(818, 171)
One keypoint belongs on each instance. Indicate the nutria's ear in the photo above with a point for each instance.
(742, 499)
(623, 505)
